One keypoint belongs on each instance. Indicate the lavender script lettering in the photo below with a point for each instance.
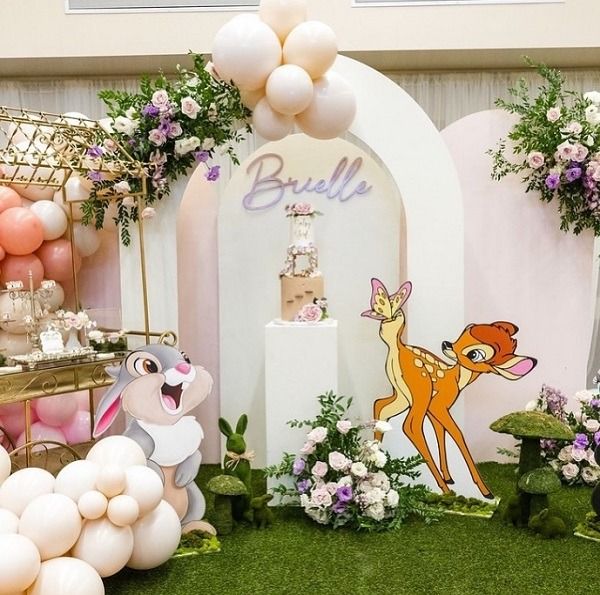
(269, 186)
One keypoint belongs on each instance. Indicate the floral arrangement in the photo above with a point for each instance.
(556, 143)
(301, 209)
(71, 320)
(108, 342)
(170, 126)
(340, 479)
(315, 312)
(573, 461)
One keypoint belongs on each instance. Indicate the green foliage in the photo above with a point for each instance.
(196, 542)
(452, 503)
(535, 132)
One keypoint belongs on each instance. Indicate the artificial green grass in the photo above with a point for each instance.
(457, 555)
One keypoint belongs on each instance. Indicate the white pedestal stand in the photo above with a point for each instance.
(301, 362)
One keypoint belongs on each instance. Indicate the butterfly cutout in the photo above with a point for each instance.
(383, 305)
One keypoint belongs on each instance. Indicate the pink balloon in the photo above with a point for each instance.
(9, 198)
(14, 424)
(56, 259)
(40, 431)
(56, 411)
(21, 232)
(83, 400)
(12, 409)
(2, 253)
(16, 268)
(78, 429)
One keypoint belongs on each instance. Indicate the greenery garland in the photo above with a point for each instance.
(556, 144)
(170, 125)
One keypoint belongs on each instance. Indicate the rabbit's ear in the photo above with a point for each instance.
(225, 427)
(242, 424)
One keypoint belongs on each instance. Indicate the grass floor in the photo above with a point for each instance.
(458, 555)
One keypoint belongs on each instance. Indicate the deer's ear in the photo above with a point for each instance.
(509, 327)
(516, 367)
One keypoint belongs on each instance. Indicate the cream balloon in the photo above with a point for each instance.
(251, 98)
(245, 51)
(156, 537)
(289, 89)
(5, 465)
(123, 511)
(76, 479)
(57, 298)
(23, 487)
(111, 480)
(75, 191)
(22, 132)
(332, 109)
(92, 505)
(104, 546)
(144, 486)
(19, 563)
(117, 450)
(53, 218)
(53, 523)
(17, 310)
(67, 576)
(87, 239)
(311, 45)
(269, 123)
(76, 119)
(9, 522)
(282, 15)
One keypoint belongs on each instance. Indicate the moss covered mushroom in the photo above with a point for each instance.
(225, 488)
(530, 427)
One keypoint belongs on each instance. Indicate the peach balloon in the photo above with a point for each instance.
(16, 268)
(52, 217)
(56, 259)
(312, 45)
(289, 89)
(251, 98)
(269, 123)
(2, 253)
(282, 15)
(9, 198)
(21, 231)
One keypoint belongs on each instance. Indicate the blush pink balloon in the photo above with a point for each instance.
(56, 411)
(56, 259)
(16, 268)
(41, 432)
(21, 231)
(9, 198)
(83, 400)
(12, 409)
(14, 424)
(2, 253)
(78, 429)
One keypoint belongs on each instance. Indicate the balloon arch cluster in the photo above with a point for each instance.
(281, 64)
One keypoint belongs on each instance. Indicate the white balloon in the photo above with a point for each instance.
(123, 511)
(9, 522)
(77, 478)
(67, 576)
(144, 486)
(17, 309)
(53, 218)
(57, 298)
(251, 98)
(282, 15)
(19, 563)
(76, 190)
(92, 505)
(5, 464)
(155, 537)
(117, 450)
(332, 110)
(24, 486)
(87, 239)
(104, 546)
(289, 89)
(245, 51)
(53, 523)
(311, 45)
(269, 123)
(76, 119)
(111, 480)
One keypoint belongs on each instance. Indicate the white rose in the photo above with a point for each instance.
(382, 426)
(337, 461)
(380, 459)
(570, 471)
(318, 514)
(531, 406)
(584, 396)
(592, 425)
(317, 435)
(392, 498)
(344, 481)
(320, 498)
(95, 335)
(343, 426)
(131, 113)
(376, 511)
(122, 187)
(358, 469)
(592, 115)
(190, 107)
(591, 458)
(373, 496)
(125, 125)
(565, 454)
(304, 501)
(380, 480)
(208, 144)
(553, 114)
(590, 475)
(593, 96)
(128, 201)
(331, 487)
(185, 145)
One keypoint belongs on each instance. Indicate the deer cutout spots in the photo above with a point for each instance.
(439, 374)
(418, 363)
(429, 368)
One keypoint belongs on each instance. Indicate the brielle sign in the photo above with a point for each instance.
(269, 186)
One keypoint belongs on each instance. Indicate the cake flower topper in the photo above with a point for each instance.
(299, 209)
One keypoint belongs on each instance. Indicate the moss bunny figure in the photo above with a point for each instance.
(237, 463)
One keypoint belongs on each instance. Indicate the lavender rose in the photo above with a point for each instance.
(298, 466)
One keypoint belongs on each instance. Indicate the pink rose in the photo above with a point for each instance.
(553, 114)
(535, 159)
(128, 201)
(302, 208)
(337, 461)
(160, 98)
(308, 448)
(317, 435)
(175, 130)
(580, 152)
(110, 145)
(578, 454)
(565, 151)
(319, 469)
(320, 497)
(309, 313)
(343, 426)
(148, 213)
(156, 137)
(331, 487)
(190, 107)
(573, 128)
(570, 471)
(592, 425)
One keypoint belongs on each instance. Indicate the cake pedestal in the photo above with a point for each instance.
(301, 363)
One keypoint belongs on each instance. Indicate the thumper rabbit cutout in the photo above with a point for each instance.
(157, 386)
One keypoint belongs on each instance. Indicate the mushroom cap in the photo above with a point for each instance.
(533, 424)
(226, 485)
(542, 480)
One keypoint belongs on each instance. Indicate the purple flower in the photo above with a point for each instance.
(164, 126)
(572, 174)
(581, 441)
(597, 438)
(95, 176)
(553, 181)
(548, 444)
(201, 156)
(298, 466)
(151, 111)
(339, 507)
(95, 151)
(344, 493)
(213, 173)
(132, 142)
(303, 486)
(595, 403)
